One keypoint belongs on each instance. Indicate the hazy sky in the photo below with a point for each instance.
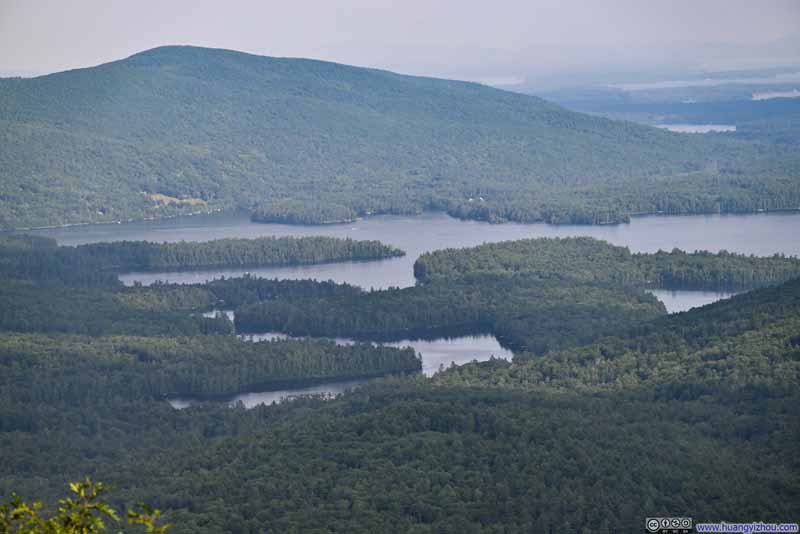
(486, 39)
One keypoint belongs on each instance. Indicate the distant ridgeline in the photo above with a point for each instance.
(40, 258)
(535, 295)
(183, 130)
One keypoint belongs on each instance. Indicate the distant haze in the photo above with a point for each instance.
(503, 42)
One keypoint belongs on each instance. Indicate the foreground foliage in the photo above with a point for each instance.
(85, 513)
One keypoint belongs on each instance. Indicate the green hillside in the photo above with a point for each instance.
(694, 412)
(184, 129)
(610, 412)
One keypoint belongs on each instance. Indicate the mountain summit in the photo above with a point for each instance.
(178, 128)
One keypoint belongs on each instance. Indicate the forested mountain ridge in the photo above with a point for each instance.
(749, 341)
(183, 129)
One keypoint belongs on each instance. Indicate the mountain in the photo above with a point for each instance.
(181, 129)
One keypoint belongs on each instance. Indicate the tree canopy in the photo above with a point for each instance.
(182, 129)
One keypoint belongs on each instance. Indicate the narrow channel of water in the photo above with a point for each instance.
(250, 400)
(436, 354)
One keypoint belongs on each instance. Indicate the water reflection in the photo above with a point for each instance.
(760, 234)
(697, 128)
(250, 400)
(436, 354)
(680, 300)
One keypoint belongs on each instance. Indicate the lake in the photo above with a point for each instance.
(250, 400)
(435, 354)
(759, 234)
(681, 300)
(697, 128)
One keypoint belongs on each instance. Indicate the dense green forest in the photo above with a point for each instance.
(35, 307)
(183, 129)
(159, 309)
(40, 258)
(585, 259)
(415, 458)
(411, 457)
(534, 295)
(748, 341)
(262, 251)
(476, 449)
(80, 370)
(523, 313)
(610, 412)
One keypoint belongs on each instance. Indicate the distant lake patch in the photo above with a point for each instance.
(697, 128)
(766, 95)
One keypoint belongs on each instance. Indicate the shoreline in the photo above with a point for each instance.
(638, 214)
(103, 223)
(287, 384)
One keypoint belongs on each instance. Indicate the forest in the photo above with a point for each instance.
(481, 448)
(773, 121)
(178, 129)
(523, 313)
(749, 341)
(611, 410)
(79, 370)
(533, 295)
(585, 259)
(42, 259)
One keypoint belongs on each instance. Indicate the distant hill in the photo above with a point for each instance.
(182, 129)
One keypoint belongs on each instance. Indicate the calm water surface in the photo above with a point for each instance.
(250, 400)
(435, 355)
(679, 301)
(759, 234)
(697, 128)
